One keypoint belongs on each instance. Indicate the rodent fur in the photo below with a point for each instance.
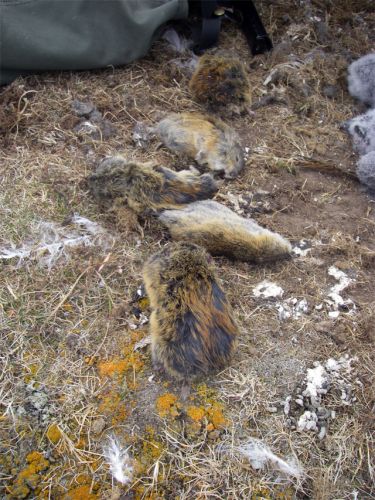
(208, 140)
(193, 332)
(223, 232)
(221, 84)
(145, 186)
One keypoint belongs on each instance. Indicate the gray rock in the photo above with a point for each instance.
(98, 425)
(330, 91)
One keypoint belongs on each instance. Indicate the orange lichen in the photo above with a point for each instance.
(91, 360)
(152, 448)
(261, 492)
(136, 336)
(83, 479)
(213, 409)
(80, 493)
(54, 434)
(205, 392)
(112, 405)
(32, 369)
(119, 366)
(80, 444)
(111, 368)
(29, 477)
(196, 413)
(143, 303)
(37, 461)
(216, 417)
(167, 405)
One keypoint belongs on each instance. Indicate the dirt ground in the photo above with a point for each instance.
(73, 367)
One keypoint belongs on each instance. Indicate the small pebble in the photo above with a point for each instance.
(98, 426)
(271, 409)
(322, 433)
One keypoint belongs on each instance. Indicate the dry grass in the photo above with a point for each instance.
(59, 325)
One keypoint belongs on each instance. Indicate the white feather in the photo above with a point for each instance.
(49, 241)
(119, 461)
(260, 455)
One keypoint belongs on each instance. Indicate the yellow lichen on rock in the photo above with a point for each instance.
(167, 405)
(144, 303)
(216, 417)
(80, 493)
(152, 448)
(113, 406)
(82, 488)
(111, 368)
(196, 413)
(213, 409)
(29, 478)
(54, 434)
(119, 366)
(32, 371)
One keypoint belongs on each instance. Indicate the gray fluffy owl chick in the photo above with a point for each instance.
(361, 79)
(362, 130)
(366, 170)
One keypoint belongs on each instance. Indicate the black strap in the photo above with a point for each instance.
(211, 24)
(243, 12)
(252, 26)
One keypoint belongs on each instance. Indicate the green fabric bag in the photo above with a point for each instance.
(44, 35)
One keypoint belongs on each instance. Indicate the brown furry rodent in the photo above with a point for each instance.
(193, 331)
(209, 141)
(144, 186)
(221, 84)
(223, 232)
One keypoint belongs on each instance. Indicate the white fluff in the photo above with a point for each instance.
(119, 461)
(88, 225)
(187, 59)
(308, 421)
(362, 130)
(49, 241)
(335, 299)
(316, 384)
(292, 308)
(288, 308)
(361, 79)
(267, 290)
(179, 43)
(260, 455)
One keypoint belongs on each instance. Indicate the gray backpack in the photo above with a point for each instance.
(47, 35)
(40, 35)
